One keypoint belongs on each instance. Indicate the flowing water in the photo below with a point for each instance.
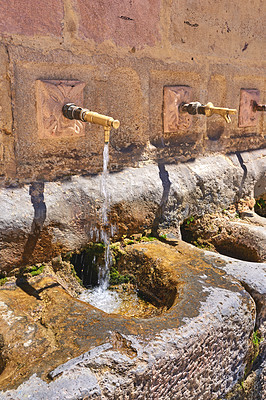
(100, 296)
(121, 301)
(105, 231)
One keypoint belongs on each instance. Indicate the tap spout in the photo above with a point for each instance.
(71, 111)
(208, 110)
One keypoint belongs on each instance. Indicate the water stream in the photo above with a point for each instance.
(100, 296)
(105, 231)
(122, 301)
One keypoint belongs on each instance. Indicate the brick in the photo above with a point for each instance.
(25, 17)
(134, 23)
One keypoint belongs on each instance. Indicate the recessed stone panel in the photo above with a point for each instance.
(51, 96)
(173, 119)
(248, 117)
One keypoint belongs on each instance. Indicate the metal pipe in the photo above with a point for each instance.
(258, 107)
(194, 108)
(71, 111)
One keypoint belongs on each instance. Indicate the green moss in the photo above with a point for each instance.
(116, 278)
(256, 340)
(129, 241)
(3, 281)
(261, 203)
(147, 239)
(68, 256)
(189, 220)
(73, 272)
(36, 269)
(202, 244)
(94, 248)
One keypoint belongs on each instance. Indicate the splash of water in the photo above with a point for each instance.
(106, 300)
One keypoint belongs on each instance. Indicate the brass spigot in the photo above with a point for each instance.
(208, 110)
(257, 107)
(71, 111)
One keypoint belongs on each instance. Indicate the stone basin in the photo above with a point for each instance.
(197, 348)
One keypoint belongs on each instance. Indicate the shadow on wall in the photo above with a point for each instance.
(238, 195)
(36, 191)
(164, 176)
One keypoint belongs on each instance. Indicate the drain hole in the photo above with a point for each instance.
(86, 264)
(136, 287)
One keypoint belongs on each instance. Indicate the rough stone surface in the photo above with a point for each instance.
(25, 18)
(54, 217)
(126, 53)
(7, 162)
(227, 234)
(131, 23)
(253, 277)
(197, 349)
(220, 30)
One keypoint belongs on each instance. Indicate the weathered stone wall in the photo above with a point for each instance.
(125, 52)
(41, 220)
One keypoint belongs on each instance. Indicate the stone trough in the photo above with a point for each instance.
(199, 347)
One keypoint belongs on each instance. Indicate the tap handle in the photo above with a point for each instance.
(224, 112)
(258, 107)
(208, 110)
(71, 111)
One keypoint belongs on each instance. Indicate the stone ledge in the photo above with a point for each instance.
(68, 213)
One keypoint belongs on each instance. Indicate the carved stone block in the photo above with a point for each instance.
(51, 96)
(248, 117)
(173, 97)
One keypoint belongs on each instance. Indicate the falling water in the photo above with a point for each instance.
(105, 234)
(101, 297)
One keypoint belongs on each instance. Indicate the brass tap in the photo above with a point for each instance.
(71, 111)
(258, 107)
(208, 110)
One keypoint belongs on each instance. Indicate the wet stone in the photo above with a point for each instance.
(203, 334)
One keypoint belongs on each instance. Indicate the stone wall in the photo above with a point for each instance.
(124, 52)
(41, 220)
